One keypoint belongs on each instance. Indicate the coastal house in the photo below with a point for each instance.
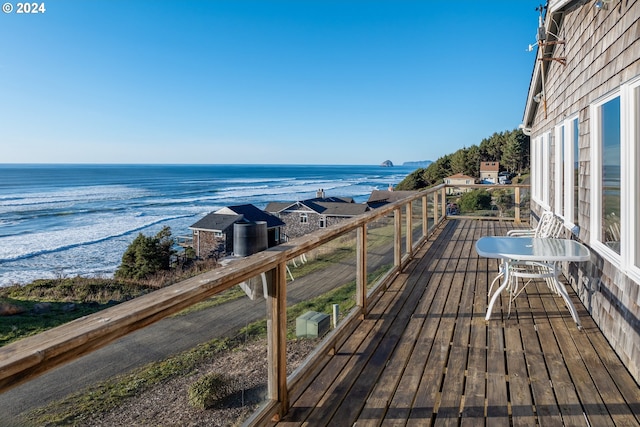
(213, 235)
(309, 215)
(459, 179)
(489, 172)
(583, 117)
(379, 198)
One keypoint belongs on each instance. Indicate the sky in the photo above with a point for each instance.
(265, 81)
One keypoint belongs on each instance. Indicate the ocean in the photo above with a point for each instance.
(70, 220)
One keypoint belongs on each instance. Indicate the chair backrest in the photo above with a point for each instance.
(546, 225)
(550, 225)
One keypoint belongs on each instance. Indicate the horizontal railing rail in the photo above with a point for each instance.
(29, 357)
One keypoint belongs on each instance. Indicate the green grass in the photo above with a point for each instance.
(231, 294)
(87, 296)
(110, 394)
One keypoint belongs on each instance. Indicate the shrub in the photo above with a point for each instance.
(475, 200)
(210, 390)
(146, 256)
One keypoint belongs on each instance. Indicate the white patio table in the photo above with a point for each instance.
(547, 250)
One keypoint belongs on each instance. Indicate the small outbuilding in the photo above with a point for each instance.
(213, 235)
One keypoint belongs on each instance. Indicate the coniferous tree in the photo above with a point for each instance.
(459, 161)
(473, 161)
(146, 256)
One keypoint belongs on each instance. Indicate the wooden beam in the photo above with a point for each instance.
(425, 217)
(516, 201)
(397, 246)
(361, 268)
(277, 336)
(409, 225)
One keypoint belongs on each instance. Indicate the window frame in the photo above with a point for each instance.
(630, 168)
(559, 172)
(541, 166)
(565, 198)
(595, 225)
(628, 261)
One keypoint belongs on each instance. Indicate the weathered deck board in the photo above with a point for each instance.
(425, 355)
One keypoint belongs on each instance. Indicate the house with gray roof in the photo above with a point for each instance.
(213, 235)
(305, 216)
(382, 197)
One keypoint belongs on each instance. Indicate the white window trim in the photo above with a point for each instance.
(629, 169)
(542, 170)
(558, 175)
(536, 171)
(569, 179)
(595, 220)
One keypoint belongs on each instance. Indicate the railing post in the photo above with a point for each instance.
(409, 226)
(277, 336)
(443, 205)
(516, 201)
(425, 217)
(397, 246)
(361, 268)
(435, 207)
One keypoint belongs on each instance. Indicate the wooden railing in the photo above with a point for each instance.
(32, 356)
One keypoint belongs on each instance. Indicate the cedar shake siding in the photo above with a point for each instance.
(306, 216)
(586, 82)
(213, 234)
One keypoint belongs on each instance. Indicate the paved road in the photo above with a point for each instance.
(166, 338)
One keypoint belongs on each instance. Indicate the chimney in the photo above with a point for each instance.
(320, 193)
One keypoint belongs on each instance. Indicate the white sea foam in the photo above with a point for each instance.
(103, 228)
(60, 199)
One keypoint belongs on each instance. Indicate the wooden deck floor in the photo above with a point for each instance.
(425, 355)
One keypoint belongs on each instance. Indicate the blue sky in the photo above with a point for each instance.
(282, 82)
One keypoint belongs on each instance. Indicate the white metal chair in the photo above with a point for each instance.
(549, 226)
(542, 229)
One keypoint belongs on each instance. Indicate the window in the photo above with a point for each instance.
(567, 155)
(323, 222)
(607, 137)
(634, 160)
(540, 166)
(559, 172)
(304, 218)
(614, 185)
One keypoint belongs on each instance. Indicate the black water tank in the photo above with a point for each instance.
(249, 238)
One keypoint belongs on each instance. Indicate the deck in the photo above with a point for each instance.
(425, 355)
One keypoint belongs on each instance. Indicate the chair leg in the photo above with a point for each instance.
(494, 281)
(513, 292)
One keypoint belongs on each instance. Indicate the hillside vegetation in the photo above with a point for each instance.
(510, 148)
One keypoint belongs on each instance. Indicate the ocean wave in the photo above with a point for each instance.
(68, 196)
(225, 181)
(13, 248)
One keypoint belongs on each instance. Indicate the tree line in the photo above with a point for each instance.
(509, 148)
